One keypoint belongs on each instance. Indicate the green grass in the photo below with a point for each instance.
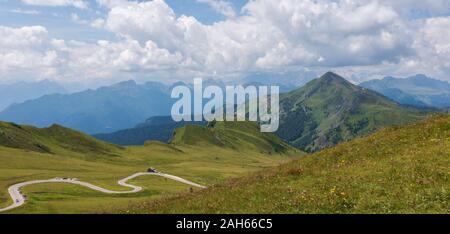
(396, 170)
(232, 135)
(72, 154)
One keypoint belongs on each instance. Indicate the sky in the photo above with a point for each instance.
(106, 41)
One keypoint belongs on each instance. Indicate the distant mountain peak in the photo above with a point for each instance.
(330, 74)
(330, 79)
(333, 77)
(420, 76)
(178, 83)
(126, 83)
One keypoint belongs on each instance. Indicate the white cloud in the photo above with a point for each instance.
(223, 7)
(24, 37)
(270, 34)
(82, 4)
(77, 19)
(355, 37)
(436, 31)
(26, 12)
(432, 46)
(98, 23)
(25, 52)
(126, 56)
(111, 3)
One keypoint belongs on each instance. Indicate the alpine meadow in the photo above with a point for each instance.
(224, 115)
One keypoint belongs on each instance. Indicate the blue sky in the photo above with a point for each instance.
(58, 19)
(104, 41)
(15, 14)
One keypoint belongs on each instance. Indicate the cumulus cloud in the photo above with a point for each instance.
(25, 50)
(223, 7)
(433, 47)
(82, 4)
(126, 55)
(30, 52)
(270, 34)
(24, 37)
(98, 23)
(352, 36)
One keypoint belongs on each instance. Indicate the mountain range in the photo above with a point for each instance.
(418, 90)
(106, 109)
(23, 91)
(325, 112)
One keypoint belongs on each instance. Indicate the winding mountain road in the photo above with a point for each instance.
(19, 199)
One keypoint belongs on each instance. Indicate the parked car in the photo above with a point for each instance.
(152, 170)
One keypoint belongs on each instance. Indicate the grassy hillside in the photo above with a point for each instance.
(28, 153)
(233, 135)
(330, 110)
(396, 170)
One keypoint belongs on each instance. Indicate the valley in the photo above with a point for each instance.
(30, 153)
